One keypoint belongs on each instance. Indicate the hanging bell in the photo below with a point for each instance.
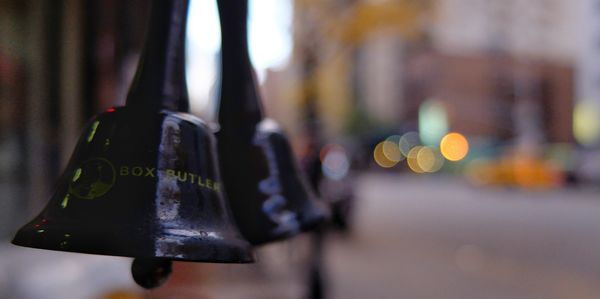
(143, 180)
(269, 196)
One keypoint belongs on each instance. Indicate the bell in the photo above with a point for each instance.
(143, 180)
(269, 196)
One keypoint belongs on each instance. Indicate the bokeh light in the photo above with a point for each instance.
(380, 158)
(335, 163)
(391, 148)
(408, 141)
(412, 159)
(429, 159)
(586, 123)
(454, 147)
(433, 122)
(329, 147)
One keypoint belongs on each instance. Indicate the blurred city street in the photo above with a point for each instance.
(427, 237)
(413, 237)
(462, 138)
(438, 237)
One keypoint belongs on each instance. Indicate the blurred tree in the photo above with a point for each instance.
(329, 36)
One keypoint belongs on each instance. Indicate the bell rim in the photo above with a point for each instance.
(241, 253)
(320, 216)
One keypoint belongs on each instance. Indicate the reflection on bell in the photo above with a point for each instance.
(143, 179)
(269, 197)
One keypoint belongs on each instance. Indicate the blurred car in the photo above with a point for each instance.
(516, 170)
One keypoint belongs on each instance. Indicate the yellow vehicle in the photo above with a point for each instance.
(516, 170)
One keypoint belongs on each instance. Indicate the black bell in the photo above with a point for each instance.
(140, 186)
(143, 180)
(269, 196)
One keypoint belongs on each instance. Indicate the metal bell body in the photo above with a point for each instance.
(268, 194)
(270, 198)
(141, 185)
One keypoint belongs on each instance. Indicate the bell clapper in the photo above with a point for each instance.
(150, 273)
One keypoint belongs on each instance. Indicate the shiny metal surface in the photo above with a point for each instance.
(269, 196)
(141, 186)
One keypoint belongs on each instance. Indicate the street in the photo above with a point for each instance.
(428, 237)
(414, 237)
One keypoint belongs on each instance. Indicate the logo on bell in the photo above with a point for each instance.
(92, 179)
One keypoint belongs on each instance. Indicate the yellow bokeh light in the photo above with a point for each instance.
(380, 157)
(586, 123)
(412, 160)
(429, 159)
(454, 147)
(391, 149)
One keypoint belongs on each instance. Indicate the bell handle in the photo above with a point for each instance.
(160, 81)
(240, 102)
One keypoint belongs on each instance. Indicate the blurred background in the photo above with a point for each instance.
(457, 140)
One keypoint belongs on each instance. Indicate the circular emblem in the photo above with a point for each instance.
(92, 179)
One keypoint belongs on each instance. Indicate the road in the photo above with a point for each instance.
(428, 237)
(415, 237)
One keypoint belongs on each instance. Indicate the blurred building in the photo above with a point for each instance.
(526, 29)
(524, 52)
(587, 113)
(504, 70)
(495, 96)
(588, 62)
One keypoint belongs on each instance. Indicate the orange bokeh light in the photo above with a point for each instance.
(454, 147)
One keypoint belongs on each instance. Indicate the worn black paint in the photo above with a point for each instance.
(268, 194)
(96, 209)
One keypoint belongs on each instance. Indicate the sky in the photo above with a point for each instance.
(270, 41)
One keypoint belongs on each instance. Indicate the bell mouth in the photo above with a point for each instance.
(115, 242)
